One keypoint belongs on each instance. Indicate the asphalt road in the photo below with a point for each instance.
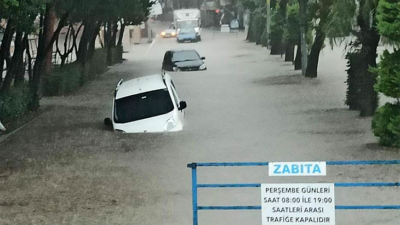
(66, 168)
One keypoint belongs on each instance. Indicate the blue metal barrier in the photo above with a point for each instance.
(196, 186)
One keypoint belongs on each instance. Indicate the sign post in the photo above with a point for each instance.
(298, 204)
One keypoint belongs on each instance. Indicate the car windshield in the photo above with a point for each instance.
(188, 24)
(142, 106)
(185, 56)
(187, 31)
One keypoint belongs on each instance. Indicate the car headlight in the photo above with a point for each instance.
(163, 33)
(170, 124)
(173, 34)
(202, 67)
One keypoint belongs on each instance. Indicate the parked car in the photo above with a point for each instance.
(183, 60)
(170, 32)
(187, 35)
(147, 104)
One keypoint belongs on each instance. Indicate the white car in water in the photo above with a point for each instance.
(147, 104)
(170, 32)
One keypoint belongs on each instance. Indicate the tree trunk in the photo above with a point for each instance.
(297, 62)
(86, 41)
(43, 49)
(38, 69)
(82, 49)
(87, 52)
(312, 66)
(277, 48)
(289, 53)
(29, 60)
(5, 47)
(95, 33)
(277, 43)
(303, 32)
(75, 36)
(109, 43)
(250, 32)
(353, 94)
(261, 24)
(369, 101)
(114, 34)
(108, 34)
(68, 49)
(369, 40)
(50, 23)
(20, 73)
(121, 35)
(12, 70)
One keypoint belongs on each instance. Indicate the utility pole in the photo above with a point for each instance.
(303, 26)
(268, 21)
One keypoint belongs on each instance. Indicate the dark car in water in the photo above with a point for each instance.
(183, 60)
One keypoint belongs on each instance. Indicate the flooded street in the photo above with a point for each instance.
(65, 167)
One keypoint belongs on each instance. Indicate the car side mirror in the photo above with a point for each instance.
(108, 122)
(167, 67)
(182, 105)
(203, 58)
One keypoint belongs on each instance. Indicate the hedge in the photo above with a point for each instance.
(69, 78)
(386, 125)
(14, 103)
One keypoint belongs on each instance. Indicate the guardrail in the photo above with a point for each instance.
(196, 186)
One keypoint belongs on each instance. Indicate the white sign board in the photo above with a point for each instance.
(298, 204)
(297, 168)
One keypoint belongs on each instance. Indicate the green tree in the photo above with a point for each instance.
(278, 22)
(91, 14)
(20, 16)
(321, 11)
(291, 31)
(252, 5)
(362, 56)
(386, 122)
(331, 18)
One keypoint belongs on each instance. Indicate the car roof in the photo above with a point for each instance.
(141, 85)
(182, 50)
